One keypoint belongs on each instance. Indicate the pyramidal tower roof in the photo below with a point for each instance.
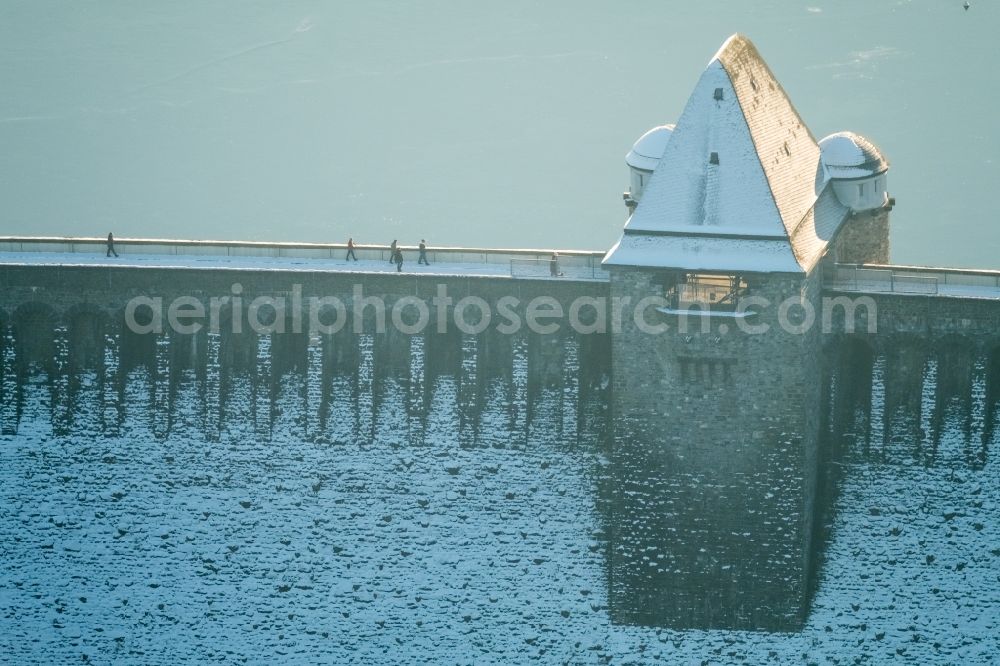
(740, 185)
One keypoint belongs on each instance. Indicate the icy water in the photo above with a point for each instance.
(408, 547)
(501, 124)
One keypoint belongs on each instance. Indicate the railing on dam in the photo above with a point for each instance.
(878, 278)
(532, 263)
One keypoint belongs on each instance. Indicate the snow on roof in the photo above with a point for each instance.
(850, 155)
(704, 253)
(818, 227)
(740, 162)
(648, 149)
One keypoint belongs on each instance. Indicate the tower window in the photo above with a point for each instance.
(720, 293)
(713, 158)
(718, 94)
(706, 372)
(861, 190)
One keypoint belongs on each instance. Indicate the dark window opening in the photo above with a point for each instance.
(719, 293)
(706, 371)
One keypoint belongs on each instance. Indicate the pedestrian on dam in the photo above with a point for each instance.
(422, 259)
(397, 258)
(111, 246)
(554, 265)
(350, 250)
(392, 252)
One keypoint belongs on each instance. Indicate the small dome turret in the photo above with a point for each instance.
(648, 149)
(642, 160)
(857, 168)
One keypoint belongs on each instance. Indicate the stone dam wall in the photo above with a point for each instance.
(923, 387)
(68, 325)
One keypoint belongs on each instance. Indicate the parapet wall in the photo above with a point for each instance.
(578, 262)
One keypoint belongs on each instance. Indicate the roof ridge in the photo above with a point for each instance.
(739, 56)
(740, 43)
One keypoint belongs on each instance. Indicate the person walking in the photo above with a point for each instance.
(350, 250)
(111, 246)
(397, 258)
(422, 259)
(554, 265)
(392, 252)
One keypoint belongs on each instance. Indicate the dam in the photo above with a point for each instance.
(717, 369)
(928, 373)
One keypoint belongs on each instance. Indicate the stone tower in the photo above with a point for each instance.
(717, 382)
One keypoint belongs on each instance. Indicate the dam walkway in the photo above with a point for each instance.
(913, 280)
(574, 265)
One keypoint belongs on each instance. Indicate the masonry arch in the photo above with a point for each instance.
(905, 359)
(992, 432)
(847, 394)
(955, 356)
(595, 361)
(188, 351)
(443, 350)
(188, 347)
(496, 354)
(87, 325)
(290, 348)
(137, 347)
(392, 353)
(340, 348)
(238, 342)
(3, 351)
(546, 355)
(34, 337)
(993, 372)
(853, 361)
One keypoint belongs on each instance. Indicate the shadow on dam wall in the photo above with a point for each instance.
(903, 400)
(342, 387)
(898, 401)
(908, 400)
